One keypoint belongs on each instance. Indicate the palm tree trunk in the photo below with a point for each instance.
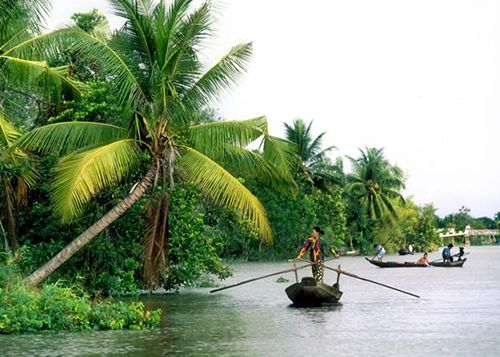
(6, 242)
(91, 232)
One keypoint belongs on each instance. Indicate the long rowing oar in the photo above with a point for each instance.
(261, 277)
(370, 281)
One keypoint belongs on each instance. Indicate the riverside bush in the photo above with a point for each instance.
(55, 308)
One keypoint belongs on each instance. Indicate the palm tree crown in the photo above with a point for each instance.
(376, 182)
(312, 163)
(153, 61)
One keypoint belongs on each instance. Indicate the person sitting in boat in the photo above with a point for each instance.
(423, 260)
(312, 244)
(380, 252)
(447, 257)
(410, 249)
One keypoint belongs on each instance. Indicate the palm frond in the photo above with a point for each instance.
(137, 28)
(181, 56)
(167, 21)
(250, 164)
(24, 70)
(8, 133)
(80, 176)
(66, 137)
(220, 77)
(127, 87)
(214, 135)
(387, 203)
(226, 190)
(320, 156)
(279, 153)
(28, 12)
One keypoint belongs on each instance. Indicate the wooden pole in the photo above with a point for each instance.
(338, 276)
(339, 271)
(295, 271)
(262, 277)
(371, 281)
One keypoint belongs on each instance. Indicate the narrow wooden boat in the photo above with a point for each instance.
(310, 293)
(455, 264)
(396, 264)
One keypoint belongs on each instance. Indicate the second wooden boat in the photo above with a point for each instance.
(382, 264)
(455, 264)
(310, 293)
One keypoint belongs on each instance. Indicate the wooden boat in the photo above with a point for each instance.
(455, 264)
(404, 252)
(310, 293)
(397, 264)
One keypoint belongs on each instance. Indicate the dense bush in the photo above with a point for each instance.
(292, 217)
(56, 308)
(193, 254)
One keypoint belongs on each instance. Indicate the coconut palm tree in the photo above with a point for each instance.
(375, 182)
(153, 60)
(312, 164)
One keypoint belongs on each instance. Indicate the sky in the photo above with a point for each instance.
(419, 78)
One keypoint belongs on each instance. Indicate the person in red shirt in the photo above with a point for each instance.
(313, 245)
(423, 260)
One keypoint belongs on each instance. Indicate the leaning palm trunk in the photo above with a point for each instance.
(61, 257)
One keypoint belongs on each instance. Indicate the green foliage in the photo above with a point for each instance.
(463, 218)
(457, 220)
(193, 254)
(484, 223)
(97, 104)
(425, 236)
(292, 218)
(89, 20)
(55, 308)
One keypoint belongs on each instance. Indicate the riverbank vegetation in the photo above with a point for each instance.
(55, 307)
(115, 162)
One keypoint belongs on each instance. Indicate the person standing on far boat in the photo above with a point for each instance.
(447, 257)
(313, 243)
(380, 252)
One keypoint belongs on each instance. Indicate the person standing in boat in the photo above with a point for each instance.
(461, 253)
(380, 252)
(447, 257)
(313, 245)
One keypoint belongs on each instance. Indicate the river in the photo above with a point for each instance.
(458, 314)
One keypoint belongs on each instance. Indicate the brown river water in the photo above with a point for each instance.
(458, 314)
